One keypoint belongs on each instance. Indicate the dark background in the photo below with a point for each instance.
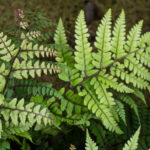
(69, 9)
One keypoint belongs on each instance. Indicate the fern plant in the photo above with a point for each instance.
(99, 81)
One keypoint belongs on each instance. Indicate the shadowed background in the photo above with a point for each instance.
(69, 9)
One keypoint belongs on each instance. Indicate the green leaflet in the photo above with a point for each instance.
(111, 81)
(30, 35)
(64, 53)
(136, 68)
(118, 40)
(103, 44)
(101, 90)
(133, 37)
(7, 48)
(27, 68)
(83, 56)
(60, 37)
(29, 113)
(118, 70)
(101, 111)
(30, 50)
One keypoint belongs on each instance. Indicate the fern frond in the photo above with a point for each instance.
(24, 25)
(137, 68)
(90, 144)
(7, 48)
(59, 102)
(143, 56)
(101, 111)
(65, 56)
(103, 44)
(111, 81)
(75, 77)
(133, 37)
(72, 147)
(32, 87)
(120, 110)
(83, 56)
(10, 128)
(67, 104)
(60, 36)
(70, 99)
(132, 144)
(25, 68)
(17, 111)
(119, 71)
(118, 40)
(30, 35)
(3, 70)
(31, 50)
(101, 90)
(64, 53)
